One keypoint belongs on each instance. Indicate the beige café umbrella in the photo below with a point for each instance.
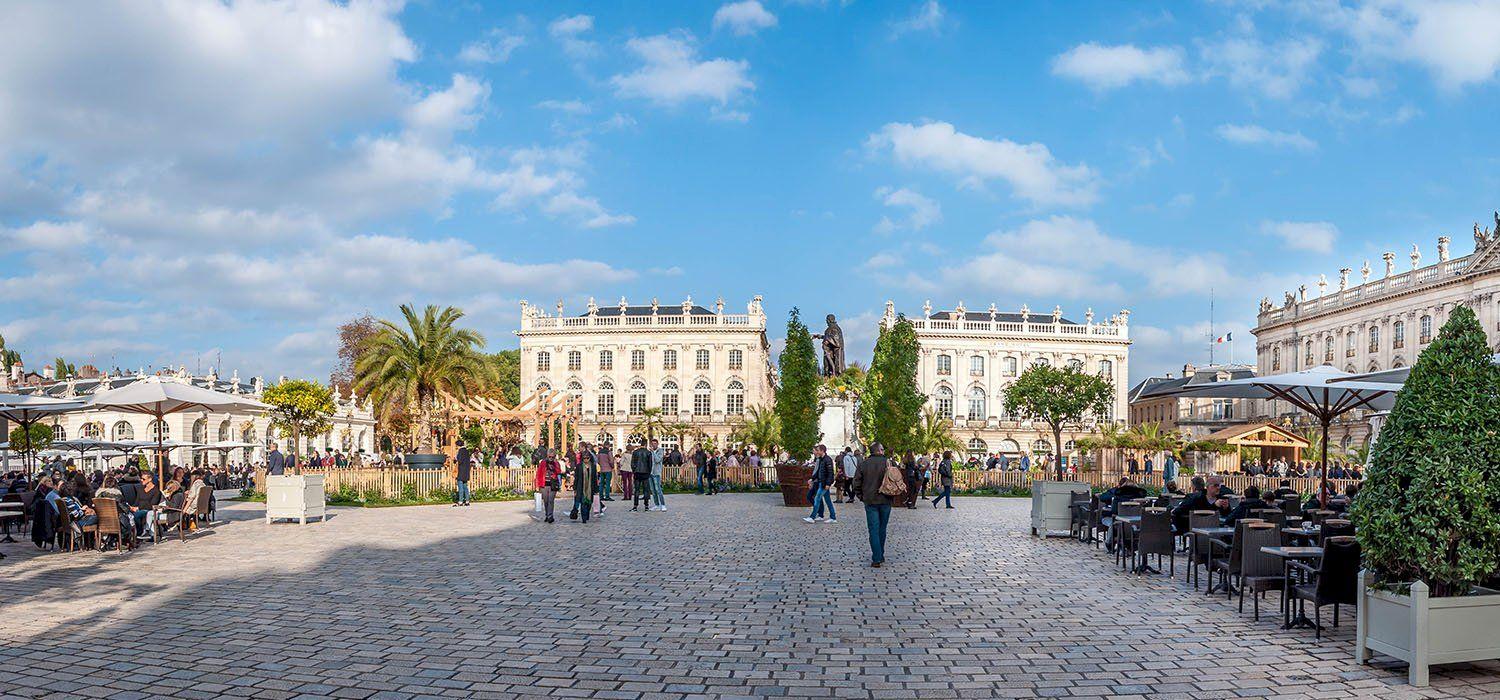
(158, 397)
(25, 410)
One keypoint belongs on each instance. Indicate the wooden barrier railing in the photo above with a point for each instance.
(420, 483)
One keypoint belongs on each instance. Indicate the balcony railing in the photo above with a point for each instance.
(1374, 289)
(1028, 329)
(664, 319)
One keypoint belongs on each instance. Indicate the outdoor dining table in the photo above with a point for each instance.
(11, 510)
(1288, 555)
(1303, 533)
(1221, 535)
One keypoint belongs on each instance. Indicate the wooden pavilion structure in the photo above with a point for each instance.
(1273, 440)
(550, 416)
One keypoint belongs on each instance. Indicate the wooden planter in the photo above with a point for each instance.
(1422, 630)
(295, 498)
(793, 479)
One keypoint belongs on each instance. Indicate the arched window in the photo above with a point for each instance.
(1426, 330)
(1041, 446)
(1010, 366)
(59, 433)
(1345, 443)
(606, 403)
(1374, 366)
(1349, 344)
(1041, 362)
(944, 365)
(1374, 338)
(200, 431)
(606, 360)
(1398, 363)
(1009, 447)
(736, 360)
(944, 402)
(1398, 335)
(575, 390)
(703, 398)
(1275, 359)
(1106, 369)
(603, 438)
(1328, 350)
(224, 430)
(1349, 368)
(637, 360)
(575, 361)
(734, 402)
(669, 442)
(159, 431)
(978, 448)
(1070, 446)
(669, 359)
(976, 365)
(701, 361)
(1075, 364)
(636, 401)
(92, 431)
(543, 361)
(976, 403)
(669, 404)
(544, 386)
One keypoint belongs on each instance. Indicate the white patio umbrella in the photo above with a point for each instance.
(223, 448)
(25, 410)
(158, 398)
(1324, 392)
(85, 445)
(1390, 376)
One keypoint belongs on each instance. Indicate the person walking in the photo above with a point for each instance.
(847, 464)
(463, 469)
(822, 478)
(605, 459)
(548, 479)
(640, 467)
(585, 478)
(658, 461)
(909, 474)
(711, 475)
(870, 483)
(275, 462)
(945, 477)
(627, 475)
(700, 465)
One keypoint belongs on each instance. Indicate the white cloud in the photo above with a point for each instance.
(1453, 39)
(52, 236)
(921, 211)
(1109, 67)
(671, 72)
(1275, 70)
(1315, 236)
(565, 106)
(743, 18)
(925, 17)
(1256, 135)
(495, 48)
(569, 31)
(880, 261)
(442, 112)
(1030, 170)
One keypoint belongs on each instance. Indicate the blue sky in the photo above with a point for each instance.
(183, 181)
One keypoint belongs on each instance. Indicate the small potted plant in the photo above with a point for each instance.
(1428, 517)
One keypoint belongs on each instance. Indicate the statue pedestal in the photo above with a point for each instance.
(836, 424)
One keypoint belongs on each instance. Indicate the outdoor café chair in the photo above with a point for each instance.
(1229, 565)
(1334, 582)
(1201, 550)
(1120, 530)
(205, 497)
(1292, 506)
(1270, 515)
(1260, 572)
(1155, 537)
(1335, 527)
(1078, 506)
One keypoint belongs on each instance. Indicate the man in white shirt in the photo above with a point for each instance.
(848, 463)
(658, 458)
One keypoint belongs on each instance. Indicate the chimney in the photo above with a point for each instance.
(1188, 370)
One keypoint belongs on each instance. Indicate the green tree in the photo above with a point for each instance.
(29, 442)
(895, 401)
(935, 433)
(472, 435)
(62, 369)
(299, 407)
(1429, 509)
(762, 428)
(8, 356)
(797, 397)
(415, 363)
(1058, 397)
(506, 369)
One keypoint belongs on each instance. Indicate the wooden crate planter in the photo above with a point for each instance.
(1422, 630)
(295, 497)
(1051, 506)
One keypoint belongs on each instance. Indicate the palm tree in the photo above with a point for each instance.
(414, 365)
(935, 433)
(762, 428)
(652, 423)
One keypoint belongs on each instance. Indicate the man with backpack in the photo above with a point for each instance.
(877, 482)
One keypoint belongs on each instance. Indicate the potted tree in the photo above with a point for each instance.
(1057, 397)
(1428, 517)
(797, 410)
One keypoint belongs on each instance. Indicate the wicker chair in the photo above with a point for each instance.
(1260, 572)
(67, 534)
(84, 531)
(1334, 582)
(1229, 566)
(1155, 537)
(1270, 515)
(205, 498)
(1201, 552)
(1335, 527)
(181, 518)
(1122, 533)
(108, 510)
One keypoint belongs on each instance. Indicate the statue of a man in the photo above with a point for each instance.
(833, 348)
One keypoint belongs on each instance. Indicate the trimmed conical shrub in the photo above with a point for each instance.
(1430, 506)
(797, 397)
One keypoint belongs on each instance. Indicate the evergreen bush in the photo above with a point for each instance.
(797, 397)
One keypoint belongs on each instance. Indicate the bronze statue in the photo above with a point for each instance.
(833, 348)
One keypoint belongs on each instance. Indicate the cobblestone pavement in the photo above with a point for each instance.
(726, 595)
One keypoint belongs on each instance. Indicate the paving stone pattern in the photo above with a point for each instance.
(728, 595)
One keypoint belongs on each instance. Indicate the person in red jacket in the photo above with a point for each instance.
(548, 478)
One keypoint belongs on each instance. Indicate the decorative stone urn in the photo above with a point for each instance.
(422, 460)
(1422, 630)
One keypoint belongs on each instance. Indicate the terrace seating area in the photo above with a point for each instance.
(68, 511)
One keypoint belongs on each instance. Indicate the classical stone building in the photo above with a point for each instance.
(969, 357)
(1193, 416)
(1381, 321)
(353, 421)
(700, 366)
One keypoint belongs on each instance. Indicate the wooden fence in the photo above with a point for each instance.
(393, 483)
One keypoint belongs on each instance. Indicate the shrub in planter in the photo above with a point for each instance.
(797, 409)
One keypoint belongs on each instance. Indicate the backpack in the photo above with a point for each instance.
(892, 484)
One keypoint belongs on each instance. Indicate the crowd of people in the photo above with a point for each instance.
(1283, 468)
(1211, 493)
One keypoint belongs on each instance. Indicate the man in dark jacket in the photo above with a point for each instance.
(822, 478)
(867, 480)
(275, 462)
(464, 468)
(1250, 502)
(640, 465)
(700, 463)
(1197, 500)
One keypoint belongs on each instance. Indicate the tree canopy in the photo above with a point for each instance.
(1058, 396)
(412, 363)
(891, 410)
(299, 407)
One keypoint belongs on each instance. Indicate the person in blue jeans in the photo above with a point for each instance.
(867, 480)
(945, 476)
(822, 479)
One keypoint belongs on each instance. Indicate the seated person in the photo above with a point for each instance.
(1126, 490)
(80, 514)
(1197, 500)
(1172, 489)
(1250, 502)
(1284, 491)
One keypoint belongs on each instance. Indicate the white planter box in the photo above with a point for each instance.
(1422, 630)
(1051, 506)
(295, 497)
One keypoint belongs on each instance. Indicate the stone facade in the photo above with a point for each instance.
(702, 367)
(1195, 417)
(1382, 322)
(353, 421)
(969, 357)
